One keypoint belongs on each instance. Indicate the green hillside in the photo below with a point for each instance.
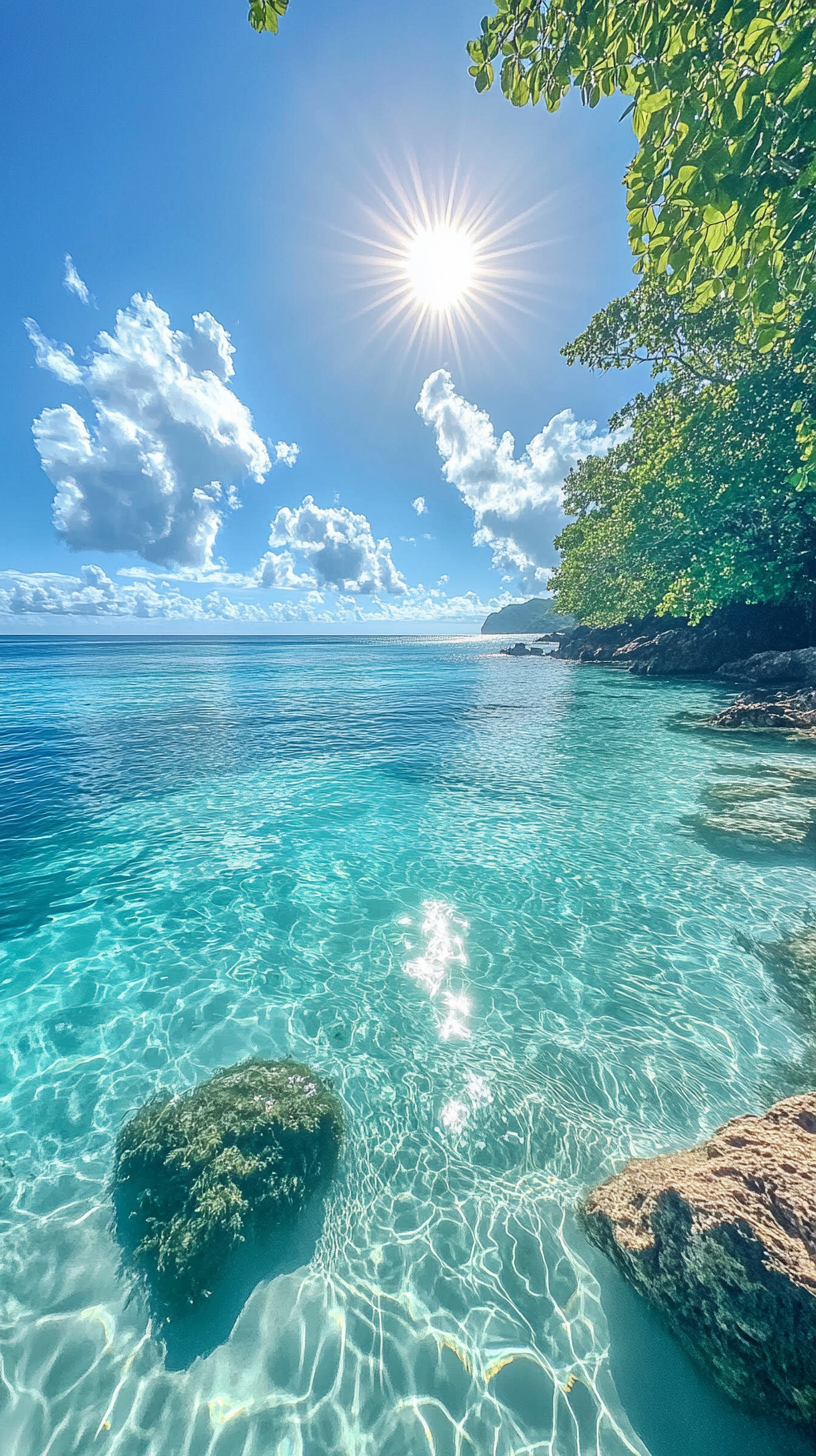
(537, 615)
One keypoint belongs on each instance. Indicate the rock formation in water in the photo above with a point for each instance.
(795, 669)
(791, 960)
(670, 647)
(722, 1239)
(790, 713)
(790, 709)
(197, 1174)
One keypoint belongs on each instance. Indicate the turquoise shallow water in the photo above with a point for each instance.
(469, 890)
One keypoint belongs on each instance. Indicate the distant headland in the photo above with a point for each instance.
(537, 615)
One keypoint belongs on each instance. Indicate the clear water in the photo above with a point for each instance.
(466, 888)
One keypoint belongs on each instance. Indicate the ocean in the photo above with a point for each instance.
(491, 899)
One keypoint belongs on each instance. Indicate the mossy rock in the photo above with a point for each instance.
(198, 1174)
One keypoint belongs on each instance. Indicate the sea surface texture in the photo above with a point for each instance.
(501, 904)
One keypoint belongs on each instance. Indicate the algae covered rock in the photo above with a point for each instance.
(722, 1239)
(197, 1174)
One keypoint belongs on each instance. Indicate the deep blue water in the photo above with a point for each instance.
(472, 891)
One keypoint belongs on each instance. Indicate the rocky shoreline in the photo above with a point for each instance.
(790, 712)
(660, 646)
(769, 650)
(721, 1238)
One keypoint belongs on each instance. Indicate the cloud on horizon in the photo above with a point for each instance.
(156, 470)
(94, 594)
(516, 503)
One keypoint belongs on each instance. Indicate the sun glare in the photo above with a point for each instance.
(440, 263)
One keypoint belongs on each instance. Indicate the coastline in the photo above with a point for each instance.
(769, 653)
(697, 1232)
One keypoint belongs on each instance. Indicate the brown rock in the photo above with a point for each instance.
(722, 1239)
(791, 712)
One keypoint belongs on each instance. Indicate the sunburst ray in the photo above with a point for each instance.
(441, 264)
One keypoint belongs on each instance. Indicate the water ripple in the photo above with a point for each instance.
(469, 889)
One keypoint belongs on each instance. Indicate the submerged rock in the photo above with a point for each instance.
(198, 1174)
(791, 713)
(768, 804)
(791, 960)
(722, 1239)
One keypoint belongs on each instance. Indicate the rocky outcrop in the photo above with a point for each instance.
(793, 713)
(593, 644)
(796, 668)
(198, 1174)
(722, 1239)
(668, 647)
(520, 649)
(659, 652)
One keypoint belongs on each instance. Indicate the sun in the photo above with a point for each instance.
(441, 263)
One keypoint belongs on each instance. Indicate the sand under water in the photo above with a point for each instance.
(504, 904)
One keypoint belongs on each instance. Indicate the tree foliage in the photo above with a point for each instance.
(265, 14)
(705, 503)
(720, 195)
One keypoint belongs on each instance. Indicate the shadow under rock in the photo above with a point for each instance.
(765, 740)
(742, 847)
(762, 811)
(196, 1333)
(673, 1406)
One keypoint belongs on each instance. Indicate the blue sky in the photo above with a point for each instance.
(223, 177)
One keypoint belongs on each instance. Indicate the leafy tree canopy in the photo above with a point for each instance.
(720, 195)
(704, 503)
(652, 326)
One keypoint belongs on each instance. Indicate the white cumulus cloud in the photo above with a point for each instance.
(154, 466)
(286, 454)
(419, 505)
(516, 503)
(336, 549)
(72, 281)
